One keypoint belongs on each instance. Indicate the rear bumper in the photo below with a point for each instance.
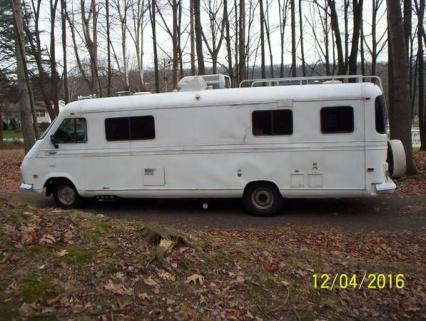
(26, 187)
(386, 187)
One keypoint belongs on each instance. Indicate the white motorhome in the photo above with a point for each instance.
(262, 143)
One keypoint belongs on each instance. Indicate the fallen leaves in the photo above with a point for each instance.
(118, 288)
(62, 253)
(195, 279)
(144, 296)
(150, 282)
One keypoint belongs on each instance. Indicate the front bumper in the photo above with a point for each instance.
(26, 187)
(386, 187)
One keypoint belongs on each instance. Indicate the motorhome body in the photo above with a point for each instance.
(322, 140)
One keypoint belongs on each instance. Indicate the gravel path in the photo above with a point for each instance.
(391, 212)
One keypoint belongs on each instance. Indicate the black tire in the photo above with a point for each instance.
(66, 196)
(262, 199)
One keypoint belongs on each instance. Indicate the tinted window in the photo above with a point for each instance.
(380, 114)
(117, 128)
(130, 128)
(272, 122)
(72, 130)
(142, 127)
(337, 119)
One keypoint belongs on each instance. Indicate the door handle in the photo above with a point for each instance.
(51, 152)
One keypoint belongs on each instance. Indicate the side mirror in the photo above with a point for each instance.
(54, 141)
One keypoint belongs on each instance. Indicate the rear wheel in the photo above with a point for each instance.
(262, 199)
(66, 195)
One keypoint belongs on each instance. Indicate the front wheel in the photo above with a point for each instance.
(262, 199)
(66, 195)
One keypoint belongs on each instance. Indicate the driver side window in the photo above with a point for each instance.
(72, 130)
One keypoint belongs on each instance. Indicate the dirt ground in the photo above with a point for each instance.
(358, 259)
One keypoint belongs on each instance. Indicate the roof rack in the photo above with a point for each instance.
(309, 80)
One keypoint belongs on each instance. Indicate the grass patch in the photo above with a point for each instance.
(39, 250)
(32, 290)
(217, 258)
(76, 255)
(103, 228)
(9, 311)
(12, 134)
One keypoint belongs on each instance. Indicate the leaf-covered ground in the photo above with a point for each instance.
(74, 265)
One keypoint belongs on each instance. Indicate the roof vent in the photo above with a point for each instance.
(192, 83)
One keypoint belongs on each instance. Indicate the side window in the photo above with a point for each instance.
(380, 114)
(337, 120)
(72, 130)
(117, 128)
(272, 122)
(130, 128)
(142, 127)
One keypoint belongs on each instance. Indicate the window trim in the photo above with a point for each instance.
(271, 111)
(340, 131)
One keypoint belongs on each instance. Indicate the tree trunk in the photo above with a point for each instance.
(191, 35)
(262, 40)
(357, 20)
(64, 48)
(1, 123)
(362, 50)
(228, 41)
(341, 70)
(198, 37)
(293, 38)
(242, 42)
(400, 121)
(154, 43)
(346, 22)
(54, 72)
(108, 35)
(22, 89)
(421, 80)
(302, 47)
(174, 43)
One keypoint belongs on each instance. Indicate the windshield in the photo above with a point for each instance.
(47, 129)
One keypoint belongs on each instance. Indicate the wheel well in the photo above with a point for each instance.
(261, 183)
(51, 183)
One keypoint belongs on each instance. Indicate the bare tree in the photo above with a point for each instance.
(400, 118)
(262, 39)
(198, 36)
(420, 8)
(138, 11)
(23, 94)
(64, 49)
(242, 72)
(282, 14)
(293, 38)
(108, 39)
(192, 36)
(216, 13)
(302, 47)
(357, 22)
(338, 40)
(122, 8)
(54, 78)
(152, 15)
(378, 43)
(36, 51)
(321, 44)
(228, 39)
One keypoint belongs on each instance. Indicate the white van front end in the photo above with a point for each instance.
(32, 170)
